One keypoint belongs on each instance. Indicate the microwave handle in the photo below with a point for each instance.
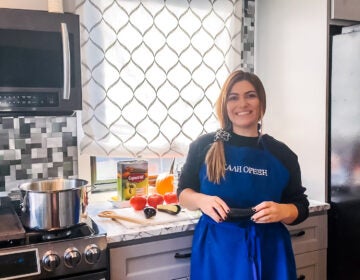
(66, 60)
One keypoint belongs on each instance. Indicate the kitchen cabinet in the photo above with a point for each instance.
(309, 240)
(164, 259)
(345, 10)
(169, 258)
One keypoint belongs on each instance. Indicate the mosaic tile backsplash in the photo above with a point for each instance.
(248, 23)
(37, 148)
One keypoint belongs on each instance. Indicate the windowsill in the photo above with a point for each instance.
(102, 196)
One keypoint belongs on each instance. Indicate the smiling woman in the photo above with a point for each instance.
(239, 167)
(151, 71)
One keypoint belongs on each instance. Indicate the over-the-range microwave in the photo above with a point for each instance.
(40, 63)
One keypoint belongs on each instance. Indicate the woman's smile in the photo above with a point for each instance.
(243, 113)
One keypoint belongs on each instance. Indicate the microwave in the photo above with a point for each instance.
(40, 63)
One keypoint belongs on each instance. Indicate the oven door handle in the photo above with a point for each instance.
(66, 61)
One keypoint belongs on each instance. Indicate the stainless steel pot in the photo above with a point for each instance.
(53, 204)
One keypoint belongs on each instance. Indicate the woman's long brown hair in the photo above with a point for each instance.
(215, 157)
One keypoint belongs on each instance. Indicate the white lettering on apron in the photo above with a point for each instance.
(247, 170)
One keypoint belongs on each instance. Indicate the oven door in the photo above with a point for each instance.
(100, 275)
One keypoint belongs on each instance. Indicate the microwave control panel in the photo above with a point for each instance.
(23, 100)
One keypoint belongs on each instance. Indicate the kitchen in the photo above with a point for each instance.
(276, 43)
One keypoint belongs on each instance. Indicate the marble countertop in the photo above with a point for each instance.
(317, 206)
(118, 231)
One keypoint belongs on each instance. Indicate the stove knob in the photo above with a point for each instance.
(50, 260)
(72, 257)
(92, 253)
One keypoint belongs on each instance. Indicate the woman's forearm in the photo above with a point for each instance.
(292, 213)
(189, 199)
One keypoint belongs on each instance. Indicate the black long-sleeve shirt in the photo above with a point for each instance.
(293, 193)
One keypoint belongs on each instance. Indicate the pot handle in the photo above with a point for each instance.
(91, 187)
(85, 198)
(23, 203)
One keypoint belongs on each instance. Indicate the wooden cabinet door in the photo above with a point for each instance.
(167, 259)
(311, 266)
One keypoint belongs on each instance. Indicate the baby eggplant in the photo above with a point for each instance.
(240, 213)
(172, 209)
(149, 212)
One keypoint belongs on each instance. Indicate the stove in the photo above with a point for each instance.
(77, 252)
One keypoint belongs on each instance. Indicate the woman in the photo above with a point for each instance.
(238, 167)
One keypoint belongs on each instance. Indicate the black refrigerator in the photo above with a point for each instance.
(344, 155)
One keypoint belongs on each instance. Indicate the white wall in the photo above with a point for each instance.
(291, 60)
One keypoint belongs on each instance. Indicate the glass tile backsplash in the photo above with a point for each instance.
(37, 148)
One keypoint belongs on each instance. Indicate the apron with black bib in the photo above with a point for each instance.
(243, 249)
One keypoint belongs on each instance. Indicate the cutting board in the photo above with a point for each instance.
(161, 218)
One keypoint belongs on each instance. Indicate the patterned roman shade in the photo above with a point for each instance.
(152, 70)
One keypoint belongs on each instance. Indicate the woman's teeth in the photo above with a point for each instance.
(242, 113)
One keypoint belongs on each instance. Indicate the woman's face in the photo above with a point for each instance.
(243, 108)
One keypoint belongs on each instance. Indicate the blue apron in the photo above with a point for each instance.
(243, 249)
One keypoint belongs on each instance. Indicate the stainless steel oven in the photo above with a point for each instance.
(78, 252)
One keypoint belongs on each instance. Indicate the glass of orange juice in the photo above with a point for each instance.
(164, 183)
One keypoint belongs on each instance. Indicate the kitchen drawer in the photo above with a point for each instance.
(161, 260)
(311, 266)
(309, 235)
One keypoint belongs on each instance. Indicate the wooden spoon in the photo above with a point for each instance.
(113, 215)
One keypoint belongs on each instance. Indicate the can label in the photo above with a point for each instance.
(132, 178)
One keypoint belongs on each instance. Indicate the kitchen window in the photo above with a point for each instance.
(104, 170)
(152, 70)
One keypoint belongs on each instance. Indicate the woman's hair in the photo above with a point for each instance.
(215, 157)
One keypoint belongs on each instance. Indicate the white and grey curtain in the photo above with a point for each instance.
(152, 70)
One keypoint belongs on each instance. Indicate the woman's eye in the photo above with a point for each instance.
(252, 94)
(247, 95)
(232, 97)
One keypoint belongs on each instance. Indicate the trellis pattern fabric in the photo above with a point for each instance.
(152, 70)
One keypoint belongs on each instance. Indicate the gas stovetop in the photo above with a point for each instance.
(49, 254)
(86, 229)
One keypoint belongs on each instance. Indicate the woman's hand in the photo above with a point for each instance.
(270, 212)
(213, 206)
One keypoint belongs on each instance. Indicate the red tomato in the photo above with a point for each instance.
(155, 199)
(170, 197)
(138, 202)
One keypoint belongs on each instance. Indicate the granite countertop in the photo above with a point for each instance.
(118, 231)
